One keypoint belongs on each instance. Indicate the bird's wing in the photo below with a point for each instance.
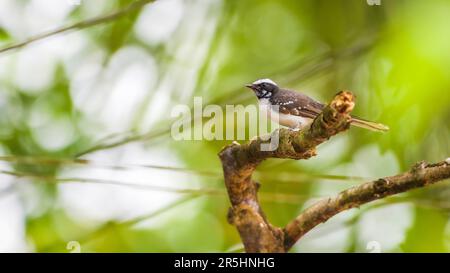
(297, 104)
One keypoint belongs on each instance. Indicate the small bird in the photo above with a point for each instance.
(296, 110)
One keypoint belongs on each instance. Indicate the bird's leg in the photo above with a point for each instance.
(297, 128)
(300, 125)
(263, 137)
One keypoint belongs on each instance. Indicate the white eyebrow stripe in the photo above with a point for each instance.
(264, 81)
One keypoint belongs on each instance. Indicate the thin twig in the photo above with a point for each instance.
(267, 197)
(81, 25)
(292, 177)
(205, 191)
(40, 160)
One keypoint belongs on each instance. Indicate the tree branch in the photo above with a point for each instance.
(420, 175)
(240, 161)
(81, 25)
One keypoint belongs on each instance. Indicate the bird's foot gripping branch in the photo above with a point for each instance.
(239, 162)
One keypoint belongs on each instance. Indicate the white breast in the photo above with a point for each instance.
(291, 121)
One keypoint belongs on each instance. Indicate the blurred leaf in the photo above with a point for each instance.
(427, 232)
(4, 35)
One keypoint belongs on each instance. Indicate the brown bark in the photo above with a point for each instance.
(420, 175)
(239, 162)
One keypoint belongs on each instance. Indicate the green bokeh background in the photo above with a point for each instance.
(395, 57)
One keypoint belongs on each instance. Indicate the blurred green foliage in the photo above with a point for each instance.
(395, 57)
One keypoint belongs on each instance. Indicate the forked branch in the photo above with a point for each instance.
(240, 161)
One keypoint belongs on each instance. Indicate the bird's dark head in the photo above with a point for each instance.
(264, 88)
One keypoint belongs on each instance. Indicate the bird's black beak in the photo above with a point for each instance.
(251, 86)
